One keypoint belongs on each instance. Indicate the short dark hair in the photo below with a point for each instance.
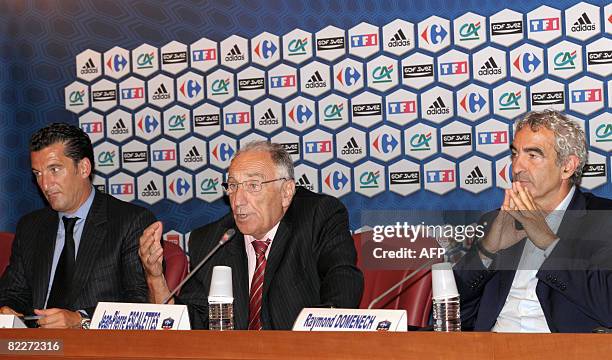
(77, 144)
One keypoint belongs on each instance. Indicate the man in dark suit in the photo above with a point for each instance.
(309, 259)
(545, 262)
(80, 250)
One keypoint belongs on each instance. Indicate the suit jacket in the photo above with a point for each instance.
(574, 282)
(107, 265)
(311, 263)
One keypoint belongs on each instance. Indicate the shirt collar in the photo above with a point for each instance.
(82, 211)
(269, 235)
(553, 219)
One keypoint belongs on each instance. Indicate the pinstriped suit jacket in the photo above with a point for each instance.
(311, 262)
(107, 264)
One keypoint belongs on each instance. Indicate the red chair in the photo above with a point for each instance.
(6, 245)
(414, 295)
(177, 264)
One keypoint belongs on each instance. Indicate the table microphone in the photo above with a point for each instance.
(227, 236)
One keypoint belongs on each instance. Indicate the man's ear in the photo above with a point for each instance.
(570, 166)
(287, 192)
(84, 168)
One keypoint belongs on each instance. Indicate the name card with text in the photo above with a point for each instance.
(11, 322)
(132, 316)
(320, 319)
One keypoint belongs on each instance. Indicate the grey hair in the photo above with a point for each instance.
(280, 156)
(569, 137)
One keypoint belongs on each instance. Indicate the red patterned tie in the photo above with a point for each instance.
(257, 284)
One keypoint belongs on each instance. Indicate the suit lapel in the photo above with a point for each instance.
(92, 238)
(240, 279)
(46, 247)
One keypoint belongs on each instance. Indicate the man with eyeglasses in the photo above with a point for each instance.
(292, 249)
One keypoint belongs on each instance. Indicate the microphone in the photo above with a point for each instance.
(227, 236)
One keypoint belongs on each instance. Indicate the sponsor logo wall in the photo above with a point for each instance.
(372, 109)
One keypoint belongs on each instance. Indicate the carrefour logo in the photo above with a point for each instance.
(472, 102)
(565, 60)
(527, 62)
(369, 179)
(179, 186)
(510, 100)
(469, 31)
(223, 152)
(586, 95)
(209, 186)
(336, 180)
(333, 112)
(434, 34)
(297, 46)
(106, 158)
(547, 24)
(145, 61)
(420, 142)
(300, 114)
(220, 87)
(177, 122)
(385, 143)
(265, 49)
(318, 147)
(382, 74)
(76, 97)
(364, 40)
(603, 133)
(116, 63)
(147, 123)
(348, 76)
(190, 88)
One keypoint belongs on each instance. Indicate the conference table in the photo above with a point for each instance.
(198, 344)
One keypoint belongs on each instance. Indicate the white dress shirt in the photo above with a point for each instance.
(522, 311)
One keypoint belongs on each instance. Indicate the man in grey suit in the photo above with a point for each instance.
(292, 249)
(80, 250)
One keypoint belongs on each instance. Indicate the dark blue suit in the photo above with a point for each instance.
(574, 283)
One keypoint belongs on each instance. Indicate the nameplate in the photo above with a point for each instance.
(11, 322)
(131, 316)
(321, 319)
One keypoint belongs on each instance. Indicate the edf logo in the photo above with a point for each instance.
(548, 24)
(401, 107)
(473, 102)
(527, 62)
(132, 93)
(300, 114)
(317, 147)
(92, 127)
(204, 54)
(265, 49)
(434, 34)
(148, 123)
(586, 95)
(237, 118)
(164, 155)
(190, 88)
(385, 143)
(223, 152)
(441, 176)
(116, 63)
(492, 137)
(348, 76)
(336, 180)
(179, 186)
(282, 81)
(122, 189)
(364, 40)
(453, 68)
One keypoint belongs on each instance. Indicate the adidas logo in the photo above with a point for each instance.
(438, 108)
(490, 67)
(150, 190)
(399, 39)
(583, 24)
(476, 177)
(89, 68)
(161, 93)
(351, 148)
(315, 81)
(193, 155)
(234, 54)
(268, 118)
(119, 128)
(305, 183)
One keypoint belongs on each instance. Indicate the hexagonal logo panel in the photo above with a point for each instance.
(369, 179)
(282, 81)
(547, 94)
(506, 27)
(221, 150)
(336, 179)
(92, 124)
(434, 34)
(190, 88)
(119, 125)
(116, 62)
(290, 142)
(132, 93)
(599, 57)
(315, 79)
(235, 52)
(145, 60)
(382, 73)
(318, 147)
(595, 172)
(509, 100)
(76, 97)
(526, 62)
(351, 145)
(237, 118)
(307, 177)
(88, 65)
(475, 174)
(150, 187)
(208, 185)
(417, 70)
(268, 116)
(600, 134)
(331, 43)
(192, 153)
(489, 65)
(177, 122)
(363, 40)
(135, 156)
(503, 172)
(421, 141)
(333, 111)
(456, 139)
(204, 55)
(366, 109)
(437, 105)
(148, 124)
(300, 114)
(179, 186)
(544, 24)
(122, 186)
(582, 21)
(492, 137)
(440, 176)
(402, 107)
(251, 83)
(160, 90)
(297, 46)
(398, 37)
(174, 57)
(473, 102)
(470, 30)
(385, 143)
(348, 76)
(220, 86)
(103, 95)
(586, 95)
(565, 59)
(404, 177)
(163, 155)
(106, 158)
(265, 49)
(206, 120)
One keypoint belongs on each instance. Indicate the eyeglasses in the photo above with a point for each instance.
(251, 186)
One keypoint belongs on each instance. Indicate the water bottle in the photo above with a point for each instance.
(446, 304)
(221, 299)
